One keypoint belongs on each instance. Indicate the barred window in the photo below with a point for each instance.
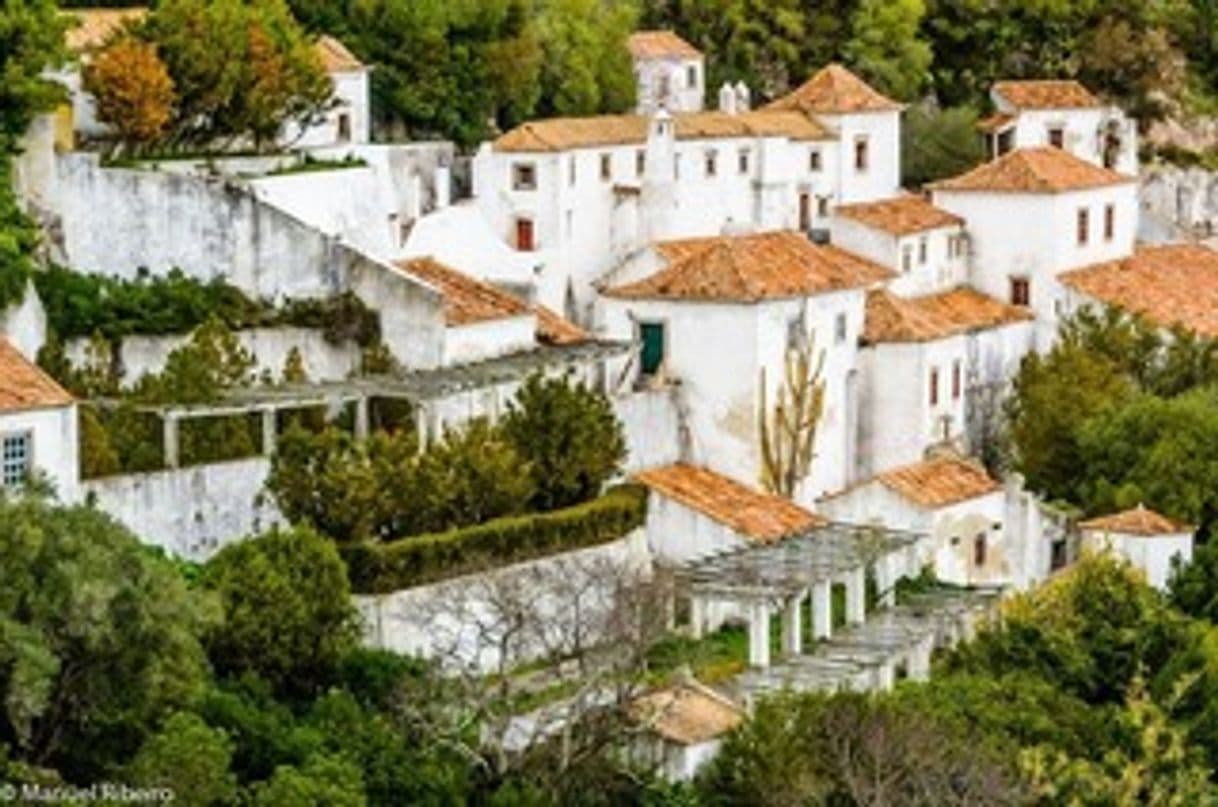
(15, 459)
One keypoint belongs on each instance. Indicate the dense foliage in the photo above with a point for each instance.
(1118, 414)
(557, 446)
(382, 568)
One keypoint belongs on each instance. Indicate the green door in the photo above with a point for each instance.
(652, 334)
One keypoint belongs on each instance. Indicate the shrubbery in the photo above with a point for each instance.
(380, 568)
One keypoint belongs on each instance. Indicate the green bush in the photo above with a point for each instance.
(381, 568)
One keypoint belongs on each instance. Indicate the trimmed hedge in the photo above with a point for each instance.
(380, 568)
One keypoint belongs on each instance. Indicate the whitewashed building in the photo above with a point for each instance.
(1035, 213)
(1062, 114)
(683, 727)
(348, 120)
(583, 194)
(953, 501)
(1149, 541)
(718, 318)
(38, 429)
(669, 72)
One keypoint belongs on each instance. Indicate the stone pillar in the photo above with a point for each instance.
(270, 431)
(885, 676)
(169, 430)
(697, 616)
(919, 659)
(792, 627)
(856, 596)
(822, 609)
(420, 426)
(887, 575)
(759, 635)
(361, 418)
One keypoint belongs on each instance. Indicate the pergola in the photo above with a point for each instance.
(421, 388)
(761, 579)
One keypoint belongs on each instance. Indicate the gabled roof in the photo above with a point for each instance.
(835, 90)
(935, 316)
(467, 300)
(940, 481)
(899, 215)
(94, 27)
(561, 134)
(1046, 94)
(23, 385)
(995, 123)
(1169, 285)
(1043, 169)
(687, 714)
(1137, 521)
(761, 516)
(660, 45)
(335, 57)
(751, 268)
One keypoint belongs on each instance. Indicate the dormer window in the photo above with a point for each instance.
(524, 177)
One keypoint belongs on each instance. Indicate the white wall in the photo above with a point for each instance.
(682, 95)
(882, 177)
(24, 324)
(454, 621)
(652, 424)
(192, 512)
(55, 444)
(1083, 131)
(678, 534)
(941, 271)
(1153, 555)
(269, 347)
(490, 339)
(351, 98)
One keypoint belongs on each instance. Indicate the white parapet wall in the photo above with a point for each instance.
(191, 512)
(463, 622)
(652, 426)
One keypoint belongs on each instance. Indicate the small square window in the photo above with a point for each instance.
(16, 456)
(712, 163)
(524, 177)
(1057, 137)
(691, 77)
(640, 162)
(840, 330)
(571, 171)
(861, 155)
(743, 162)
(979, 549)
(814, 160)
(934, 386)
(1083, 226)
(822, 206)
(956, 380)
(1021, 291)
(922, 250)
(907, 259)
(1109, 222)
(606, 167)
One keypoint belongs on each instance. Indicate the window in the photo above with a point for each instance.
(606, 167)
(712, 163)
(651, 334)
(906, 258)
(525, 238)
(1083, 226)
(805, 212)
(571, 171)
(640, 162)
(1109, 222)
(979, 549)
(795, 333)
(934, 386)
(839, 328)
(860, 154)
(344, 128)
(814, 160)
(16, 456)
(822, 206)
(922, 250)
(691, 77)
(1021, 291)
(1057, 137)
(524, 177)
(956, 380)
(743, 162)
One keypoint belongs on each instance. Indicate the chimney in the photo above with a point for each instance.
(727, 99)
(744, 99)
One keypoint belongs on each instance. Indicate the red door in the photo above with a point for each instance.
(524, 235)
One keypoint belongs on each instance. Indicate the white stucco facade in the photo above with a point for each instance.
(1153, 555)
(926, 262)
(1102, 135)
(51, 439)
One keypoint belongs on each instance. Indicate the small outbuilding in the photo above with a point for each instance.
(38, 427)
(685, 725)
(1147, 540)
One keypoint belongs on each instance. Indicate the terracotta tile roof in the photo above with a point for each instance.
(687, 714)
(761, 516)
(939, 481)
(749, 268)
(660, 45)
(552, 329)
(1046, 94)
(23, 385)
(1169, 285)
(1137, 521)
(467, 300)
(1043, 169)
(335, 57)
(935, 316)
(995, 123)
(835, 90)
(560, 134)
(900, 215)
(94, 26)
